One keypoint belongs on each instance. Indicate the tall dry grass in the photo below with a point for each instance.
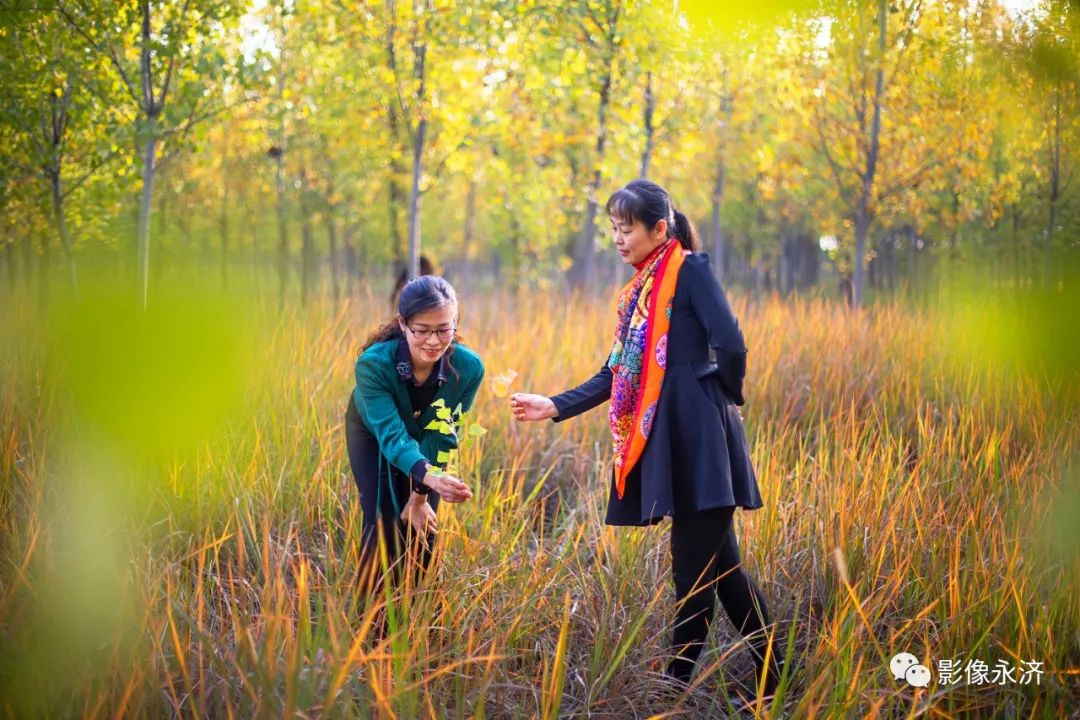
(916, 499)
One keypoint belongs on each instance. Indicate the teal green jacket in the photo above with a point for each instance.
(382, 400)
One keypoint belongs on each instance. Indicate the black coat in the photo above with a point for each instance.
(697, 456)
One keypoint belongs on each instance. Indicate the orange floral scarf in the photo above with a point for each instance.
(638, 358)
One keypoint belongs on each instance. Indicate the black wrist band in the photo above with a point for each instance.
(419, 470)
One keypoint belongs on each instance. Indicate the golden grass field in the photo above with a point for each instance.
(179, 526)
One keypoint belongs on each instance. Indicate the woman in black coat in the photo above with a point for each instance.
(675, 378)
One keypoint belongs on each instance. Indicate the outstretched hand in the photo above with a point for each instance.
(526, 406)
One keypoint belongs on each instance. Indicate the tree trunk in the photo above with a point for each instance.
(862, 225)
(414, 199)
(788, 261)
(162, 214)
(515, 253)
(350, 262)
(206, 254)
(144, 211)
(716, 229)
(183, 221)
(43, 270)
(846, 290)
(470, 220)
(55, 136)
(890, 264)
(954, 233)
(223, 225)
(395, 195)
(419, 137)
(1018, 275)
(749, 268)
(332, 237)
(62, 229)
(646, 155)
(151, 110)
(862, 214)
(253, 216)
(1055, 189)
(307, 239)
(27, 257)
(9, 255)
(872, 268)
(584, 274)
(283, 235)
(912, 268)
(361, 259)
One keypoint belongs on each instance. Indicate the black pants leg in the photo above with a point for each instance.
(405, 552)
(383, 494)
(705, 564)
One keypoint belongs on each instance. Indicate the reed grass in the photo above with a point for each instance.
(916, 500)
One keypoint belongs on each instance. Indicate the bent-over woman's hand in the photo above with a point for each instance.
(449, 487)
(527, 406)
(419, 515)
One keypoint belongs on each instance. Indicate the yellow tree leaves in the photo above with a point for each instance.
(763, 113)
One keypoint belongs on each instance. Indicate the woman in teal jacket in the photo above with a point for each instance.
(406, 366)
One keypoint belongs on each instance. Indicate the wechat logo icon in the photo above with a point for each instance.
(906, 666)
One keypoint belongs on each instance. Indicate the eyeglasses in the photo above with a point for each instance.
(443, 334)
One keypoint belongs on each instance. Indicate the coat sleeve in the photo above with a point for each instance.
(713, 311)
(585, 396)
(380, 414)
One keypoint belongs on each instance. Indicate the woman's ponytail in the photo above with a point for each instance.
(683, 231)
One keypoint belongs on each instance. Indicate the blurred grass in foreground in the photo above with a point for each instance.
(179, 526)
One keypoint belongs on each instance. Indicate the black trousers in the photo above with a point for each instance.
(705, 565)
(383, 492)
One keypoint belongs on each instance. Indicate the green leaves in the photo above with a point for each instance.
(441, 426)
(447, 422)
(450, 423)
(444, 419)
